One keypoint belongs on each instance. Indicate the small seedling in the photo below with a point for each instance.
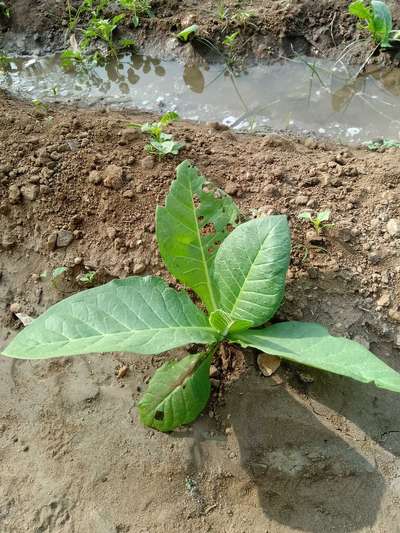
(136, 9)
(88, 278)
(5, 63)
(238, 272)
(230, 40)
(188, 33)
(320, 222)
(5, 11)
(40, 106)
(161, 143)
(377, 19)
(382, 143)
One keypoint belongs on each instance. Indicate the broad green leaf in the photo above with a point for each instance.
(383, 21)
(224, 324)
(310, 344)
(169, 117)
(250, 269)
(324, 216)
(360, 10)
(186, 33)
(189, 229)
(140, 315)
(177, 393)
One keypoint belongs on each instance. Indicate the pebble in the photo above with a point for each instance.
(95, 177)
(129, 135)
(148, 162)
(30, 192)
(64, 238)
(393, 227)
(231, 188)
(52, 241)
(301, 200)
(394, 315)
(15, 307)
(112, 177)
(384, 300)
(14, 194)
(139, 268)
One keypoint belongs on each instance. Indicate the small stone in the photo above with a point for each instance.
(148, 162)
(384, 300)
(139, 268)
(30, 192)
(129, 135)
(52, 241)
(128, 194)
(216, 383)
(268, 364)
(112, 177)
(306, 378)
(393, 227)
(95, 177)
(78, 260)
(309, 142)
(301, 200)
(64, 238)
(122, 371)
(14, 194)
(272, 190)
(214, 372)
(394, 315)
(15, 307)
(231, 188)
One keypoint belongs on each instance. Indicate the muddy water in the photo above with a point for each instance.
(302, 95)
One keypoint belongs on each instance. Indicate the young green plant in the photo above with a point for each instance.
(238, 272)
(377, 19)
(161, 143)
(320, 222)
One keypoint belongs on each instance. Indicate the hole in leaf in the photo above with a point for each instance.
(159, 415)
(208, 229)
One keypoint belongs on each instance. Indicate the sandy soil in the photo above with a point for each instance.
(304, 451)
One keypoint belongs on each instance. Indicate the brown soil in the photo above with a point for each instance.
(276, 28)
(303, 451)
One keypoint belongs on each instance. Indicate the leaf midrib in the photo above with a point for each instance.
(204, 261)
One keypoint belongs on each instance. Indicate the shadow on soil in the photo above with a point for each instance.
(307, 477)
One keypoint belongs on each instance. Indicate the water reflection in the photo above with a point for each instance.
(320, 96)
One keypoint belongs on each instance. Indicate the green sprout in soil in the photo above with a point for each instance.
(382, 143)
(188, 33)
(377, 19)
(5, 63)
(136, 9)
(237, 271)
(161, 143)
(88, 278)
(319, 222)
(5, 10)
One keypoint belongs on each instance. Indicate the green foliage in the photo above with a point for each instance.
(230, 40)
(189, 229)
(239, 274)
(70, 57)
(377, 19)
(5, 63)
(319, 222)
(5, 9)
(382, 143)
(161, 143)
(136, 9)
(177, 393)
(188, 33)
(88, 278)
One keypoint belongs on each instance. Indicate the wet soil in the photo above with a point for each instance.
(276, 28)
(303, 451)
